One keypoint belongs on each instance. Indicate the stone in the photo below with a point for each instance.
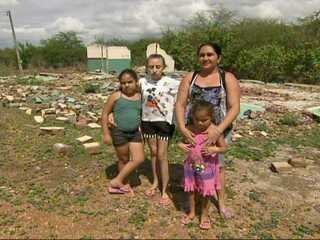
(94, 125)
(82, 122)
(29, 111)
(38, 119)
(263, 133)
(10, 98)
(62, 119)
(297, 162)
(92, 148)
(48, 111)
(62, 148)
(280, 167)
(84, 139)
(72, 117)
(53, 130)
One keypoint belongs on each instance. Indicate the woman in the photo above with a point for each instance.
(220, 89)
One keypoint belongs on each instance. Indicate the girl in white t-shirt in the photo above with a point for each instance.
(158, 101)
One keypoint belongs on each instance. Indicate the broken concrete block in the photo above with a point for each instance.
(48, 111)
(52, 130)
(10, 98)
(81, 123)
(29, 111)
(62, 148)
(280, 167)
(72, 117)
(263, 133)
(94, 125)
(38, 119)
(297, 162)
(62, 119)
(84, 139)
(92, 148)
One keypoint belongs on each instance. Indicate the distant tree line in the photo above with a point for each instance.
(264, 49)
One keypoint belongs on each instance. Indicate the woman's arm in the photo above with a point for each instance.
(107, 109)
(233, 97)
(181, 104)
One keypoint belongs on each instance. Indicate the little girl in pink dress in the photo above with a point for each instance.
(201, 167)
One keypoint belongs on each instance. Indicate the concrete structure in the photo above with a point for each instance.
(114, 58)
(155, 48)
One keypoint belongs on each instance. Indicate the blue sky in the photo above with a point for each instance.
(127, 19)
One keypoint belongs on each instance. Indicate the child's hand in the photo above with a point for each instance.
(107, 139)
(111, 121)
(185, 147)
(209, 150)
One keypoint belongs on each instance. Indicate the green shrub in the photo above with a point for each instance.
(290, 119)
(91, 88)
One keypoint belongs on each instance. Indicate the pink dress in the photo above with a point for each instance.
(201, 172)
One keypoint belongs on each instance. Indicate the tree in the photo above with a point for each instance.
(63, 49)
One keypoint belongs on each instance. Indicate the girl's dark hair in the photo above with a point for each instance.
(156, 55)
(130, 72)
(215, 47)
(201, 105)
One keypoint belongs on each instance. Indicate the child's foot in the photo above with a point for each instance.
(188, 218)
(130, 190)
(226, 213)
(165, 200)
(151, 191)
(116, 184)
(205, 223)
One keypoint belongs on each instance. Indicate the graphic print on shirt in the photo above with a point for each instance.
(152, 100)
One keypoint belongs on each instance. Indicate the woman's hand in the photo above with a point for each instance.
(111, 122)
(184, 147)
(107, 139)
(213, 134)
(188, 135)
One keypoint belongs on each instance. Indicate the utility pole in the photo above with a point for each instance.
(15, 42)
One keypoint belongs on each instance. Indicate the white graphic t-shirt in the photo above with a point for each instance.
(158, 99)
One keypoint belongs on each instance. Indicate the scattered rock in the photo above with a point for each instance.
(280, 167)
(52, 130)
(84, 139)
(62, 148)
(297, 162)
(92, 148)
(38, 119)
(94, 125)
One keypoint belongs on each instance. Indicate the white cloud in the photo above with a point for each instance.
(8, 3)
(129, 19)
(264, 10)
(68, 24)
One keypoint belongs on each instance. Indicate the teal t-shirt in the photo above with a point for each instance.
(127, 114)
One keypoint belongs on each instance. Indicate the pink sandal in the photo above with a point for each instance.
(165, 201)
(227, 213)
(205, 225)
(116, 190)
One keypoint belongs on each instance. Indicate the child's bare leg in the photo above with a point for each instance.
(123, 155)
(204, 219)
(162, 156)
(137, 153)
(192, 205)
(152, 142)
(226, 212)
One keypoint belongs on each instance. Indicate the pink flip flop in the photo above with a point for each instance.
(116, 190)
(227, 213)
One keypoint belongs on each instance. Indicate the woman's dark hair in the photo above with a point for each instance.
(201, 105)
(215, 47)
(130, 72)
(156, 55)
